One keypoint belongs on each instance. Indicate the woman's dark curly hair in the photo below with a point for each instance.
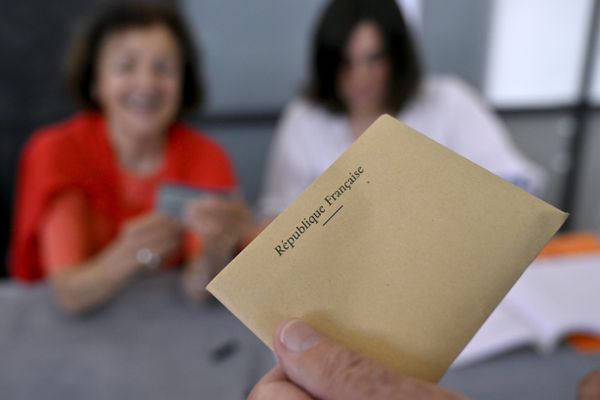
(82, 60)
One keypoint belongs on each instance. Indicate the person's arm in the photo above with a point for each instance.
(313, 367)
(589, 387)
(87, 285)
(83, 281)
(479, 135)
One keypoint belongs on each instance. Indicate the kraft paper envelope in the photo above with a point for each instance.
(400, 250)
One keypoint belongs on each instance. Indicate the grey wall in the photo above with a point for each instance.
(543, 137)
(255, 51)
(454, 37)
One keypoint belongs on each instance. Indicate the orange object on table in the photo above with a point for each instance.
(574, 244)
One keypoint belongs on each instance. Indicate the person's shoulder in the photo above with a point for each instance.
(307, 111)
(302, 105)
(194, 137)
(194, 141)
(59, 135)
(443, 92)
(444, 86)
(451, 87)
(304, 121)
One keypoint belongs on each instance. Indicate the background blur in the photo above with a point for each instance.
(536, 62)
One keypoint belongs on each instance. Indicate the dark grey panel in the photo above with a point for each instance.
(33, 39)
(543, 137)
(587, 214)
(247, 145)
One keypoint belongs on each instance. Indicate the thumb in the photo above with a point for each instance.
(331, 371)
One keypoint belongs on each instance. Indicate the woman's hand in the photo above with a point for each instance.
(589, 387)
(143, 243)
(221, 223)
(148, 240)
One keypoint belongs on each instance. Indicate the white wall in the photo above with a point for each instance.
(536, 52)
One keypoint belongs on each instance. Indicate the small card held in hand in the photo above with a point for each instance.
(400, 250)
(173, 198)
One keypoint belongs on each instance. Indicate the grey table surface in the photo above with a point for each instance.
(524, 374)
(150, 343)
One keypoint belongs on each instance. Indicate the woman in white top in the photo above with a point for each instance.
(364, 65)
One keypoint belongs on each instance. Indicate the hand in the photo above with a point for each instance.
(150, 236)
(589, 387)
(220, 222)
(313, 367)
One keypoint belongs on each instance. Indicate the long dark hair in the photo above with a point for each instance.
(336, 25)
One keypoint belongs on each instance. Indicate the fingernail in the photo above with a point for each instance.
(297, 337)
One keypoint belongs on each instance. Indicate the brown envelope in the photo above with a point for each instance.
(400, 250)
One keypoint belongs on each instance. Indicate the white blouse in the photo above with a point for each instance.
(309, 139)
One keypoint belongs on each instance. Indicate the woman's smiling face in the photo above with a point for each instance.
(139, 78)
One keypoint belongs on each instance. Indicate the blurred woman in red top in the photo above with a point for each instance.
(87, 186)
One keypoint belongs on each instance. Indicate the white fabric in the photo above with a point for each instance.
(309, 139)
(412, 11)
